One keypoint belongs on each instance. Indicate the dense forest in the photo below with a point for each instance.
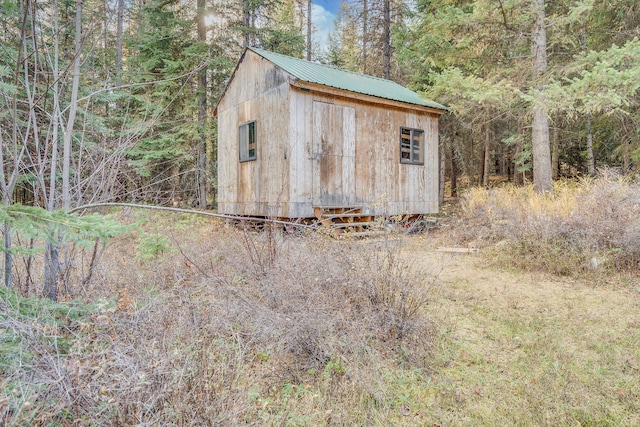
(113, 100)
(126, 299)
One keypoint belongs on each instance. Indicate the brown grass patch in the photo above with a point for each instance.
(225, 326)
(582, 228)
(191, 322)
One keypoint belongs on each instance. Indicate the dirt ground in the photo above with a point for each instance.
(613, 304)
(531, 348)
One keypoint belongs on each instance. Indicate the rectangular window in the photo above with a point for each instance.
(247, 141)
(411, 146)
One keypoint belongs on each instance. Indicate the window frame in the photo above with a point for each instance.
(244, 145)
(414, 143)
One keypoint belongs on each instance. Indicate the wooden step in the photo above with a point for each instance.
(332, 222)
(345, 215)
(318, 211)
(356, 224)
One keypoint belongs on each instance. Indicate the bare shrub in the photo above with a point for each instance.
(164, 362)
(592, 224)
(198, 336)
(323, 300)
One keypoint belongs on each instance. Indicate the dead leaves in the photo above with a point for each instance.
(125, 301)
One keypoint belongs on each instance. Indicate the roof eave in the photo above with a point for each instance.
(302, 84)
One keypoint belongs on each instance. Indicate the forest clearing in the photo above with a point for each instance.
(513, 125)
(189, 321)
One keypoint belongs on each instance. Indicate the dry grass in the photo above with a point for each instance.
(221, 326)
(190, 322)
(532, 350)
(582, 228)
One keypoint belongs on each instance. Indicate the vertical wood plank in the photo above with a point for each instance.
(348, 155)
(334, 155)
(358, 142)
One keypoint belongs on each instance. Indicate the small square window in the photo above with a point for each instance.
(411, 146)
(247, 141)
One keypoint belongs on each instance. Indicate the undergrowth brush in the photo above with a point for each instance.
(581, 228)
(188, 321)
(205, 332)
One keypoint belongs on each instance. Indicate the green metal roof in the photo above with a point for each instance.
(326, 75)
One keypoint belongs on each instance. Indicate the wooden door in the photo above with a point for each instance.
(333, 155)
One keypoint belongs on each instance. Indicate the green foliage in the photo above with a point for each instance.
(152, 246)
(7, 88)
(16, 347)
(333, 368)
(284, 35)
(165, 103)
(29, 329)
(522, 159)
(46, 311)
(474, 56)
(8, 8)
(38, 223)
(604, 81)
(284, 41)
(464, 93)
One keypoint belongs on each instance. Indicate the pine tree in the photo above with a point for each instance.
(475, 57)
(363, 36)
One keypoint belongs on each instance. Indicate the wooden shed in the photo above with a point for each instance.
(297, 137)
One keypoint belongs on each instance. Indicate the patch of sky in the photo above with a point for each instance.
(323, 15)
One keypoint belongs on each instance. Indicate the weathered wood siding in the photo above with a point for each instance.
(258, 91)
(381, 184)
(318, 149)
(333, 158)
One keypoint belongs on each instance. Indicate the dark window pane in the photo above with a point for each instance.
(411, 146)
(247, 141)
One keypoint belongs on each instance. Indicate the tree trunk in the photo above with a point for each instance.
(502, 163)
(540, 125)
(591, 163)
(472, 168)
(8, 259)
(202, 113)
(7, 192)
(443, 164)
(365, 34)
(246, 22)
(52, 245)
(252, 25)
(387, 39)
(518, 177)
(555, 153)
(51, 268)
(73, 107)
(8, 185)
(309, 28)
(55, 120)
(454, 172)
(486, 169)
(626, 158)
(119, 32)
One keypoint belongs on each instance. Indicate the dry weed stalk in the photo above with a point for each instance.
(209, 338)
(585, 226)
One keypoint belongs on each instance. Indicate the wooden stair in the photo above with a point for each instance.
(347, 221)
(352, 222)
